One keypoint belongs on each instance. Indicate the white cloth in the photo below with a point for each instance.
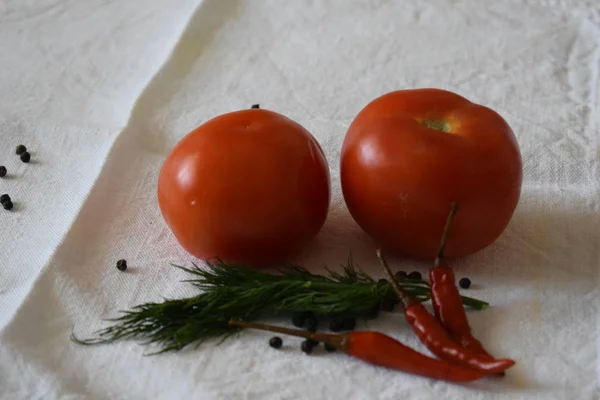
(101, 90)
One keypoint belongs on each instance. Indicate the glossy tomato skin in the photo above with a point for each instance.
(399, 176)
(250, 186)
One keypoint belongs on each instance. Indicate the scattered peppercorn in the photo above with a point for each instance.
(464, 283)
(306, 346)
(387, 304)
(25, 157)
(21, 149)
(2, 171)
(4, 198)
(373, 312)
(313, 342)
(122, 265)
(298, 318)
(275, 342)
(348, 323)
(400, 275)
(415, 275)
(329, 348)
(8, 205)
(255, 106)
(336, 325)
(311, 322)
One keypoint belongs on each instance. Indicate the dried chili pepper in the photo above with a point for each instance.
(447, 304)
(379, 349)
(450, 314)
(435, 337)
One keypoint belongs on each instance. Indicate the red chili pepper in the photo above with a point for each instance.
(435, 337)
(440, 343)
(447, 304)
(382, 350)
(449, 309)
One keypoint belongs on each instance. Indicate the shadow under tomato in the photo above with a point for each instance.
(549, 246)
(339, 239)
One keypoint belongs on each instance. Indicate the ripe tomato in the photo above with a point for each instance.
(410, 153)
(250, 186)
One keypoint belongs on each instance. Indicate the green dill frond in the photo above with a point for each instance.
(235, 291)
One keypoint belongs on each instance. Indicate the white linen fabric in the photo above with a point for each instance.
(101, 90)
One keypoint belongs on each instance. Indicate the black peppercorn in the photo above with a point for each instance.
(373, 312)
(21, 149)
(400, 275)
(312, 342)
(25, 157)
(275, 342)
(306, 346)
(464, 283)
(311, 322)
(382, 281)
(298, 318)
(121, 265)
(8, 205)
(2, 171)
(311, 325)
(4, 198)
(336, 325)
(255, 106)
(348, 323)
(329, 348)
(387, 304)
(415, 275)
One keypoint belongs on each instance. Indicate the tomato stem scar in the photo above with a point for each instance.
(438, 125)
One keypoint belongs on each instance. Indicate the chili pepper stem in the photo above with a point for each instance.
(440, 253)
(381, 350)
(404, 297)
(336, 340)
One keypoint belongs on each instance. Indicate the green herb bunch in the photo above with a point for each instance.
(236, 291)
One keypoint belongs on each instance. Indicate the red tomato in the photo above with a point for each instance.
(250, 186)
(408, 154)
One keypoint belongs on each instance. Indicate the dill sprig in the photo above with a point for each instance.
(235, 291)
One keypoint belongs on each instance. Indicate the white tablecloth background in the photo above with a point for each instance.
(101, 90)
